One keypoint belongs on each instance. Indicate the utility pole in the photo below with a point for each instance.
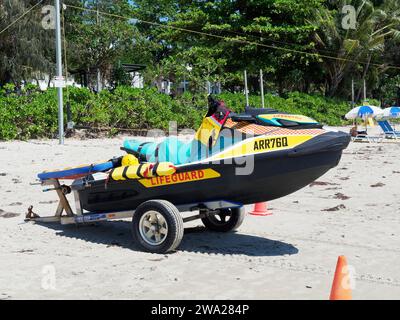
(365, 91)
(262, 89)
(98, 69)
(59, 74)
(246, 91)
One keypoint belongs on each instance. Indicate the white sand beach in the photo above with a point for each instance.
(354, 211)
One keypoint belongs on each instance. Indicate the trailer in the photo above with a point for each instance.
(157, 224)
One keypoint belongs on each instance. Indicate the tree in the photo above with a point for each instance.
(24, 47)
(226, 30)
(356, 51)
(300, 45)
(98, 41)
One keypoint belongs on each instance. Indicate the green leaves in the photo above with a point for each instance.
(24, 46)
(98, 40)
(300, 45)
(34, 115)
(359, 51)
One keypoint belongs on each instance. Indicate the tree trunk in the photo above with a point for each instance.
(333, 86)
(280, 87)
(48, 83)
(366, 69)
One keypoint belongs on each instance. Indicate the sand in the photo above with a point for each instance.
(353, 210)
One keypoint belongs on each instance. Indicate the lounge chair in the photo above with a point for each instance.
(365, 137)
(388, 130)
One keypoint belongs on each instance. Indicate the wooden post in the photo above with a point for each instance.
(262, 89)
(246, 88)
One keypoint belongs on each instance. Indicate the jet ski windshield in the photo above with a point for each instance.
(272, 117)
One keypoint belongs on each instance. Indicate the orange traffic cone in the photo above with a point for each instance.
(341, 288)
(260, 209)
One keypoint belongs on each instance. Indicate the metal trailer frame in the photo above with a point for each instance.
(80, 217)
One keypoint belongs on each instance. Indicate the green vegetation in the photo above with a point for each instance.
(308, 56)
(33, 114)
(301, 46)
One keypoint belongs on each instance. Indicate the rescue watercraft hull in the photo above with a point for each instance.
(274, 174)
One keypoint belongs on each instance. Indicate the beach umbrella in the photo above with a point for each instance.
(364, 112)
(392, 112)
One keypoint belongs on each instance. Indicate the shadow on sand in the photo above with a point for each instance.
(197, 239)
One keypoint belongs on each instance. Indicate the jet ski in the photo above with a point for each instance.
(257, 156)
(233, 160)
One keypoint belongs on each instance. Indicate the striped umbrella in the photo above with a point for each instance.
(364, 112)
(392, 112)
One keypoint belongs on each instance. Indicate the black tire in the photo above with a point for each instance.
(172, 219)
(219, 223)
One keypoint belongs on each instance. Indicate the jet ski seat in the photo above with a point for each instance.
(213, 136)
(207, 140)
(170, 150)
(173, 150)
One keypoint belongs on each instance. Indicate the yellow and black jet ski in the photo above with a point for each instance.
(232, 160)
(256, 156)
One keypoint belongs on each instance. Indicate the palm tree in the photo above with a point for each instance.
(358, 49)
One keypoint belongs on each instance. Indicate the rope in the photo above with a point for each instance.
(21, 16)
(234, 40)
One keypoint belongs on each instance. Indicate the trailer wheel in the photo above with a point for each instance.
(157, 226)
(225, 220)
